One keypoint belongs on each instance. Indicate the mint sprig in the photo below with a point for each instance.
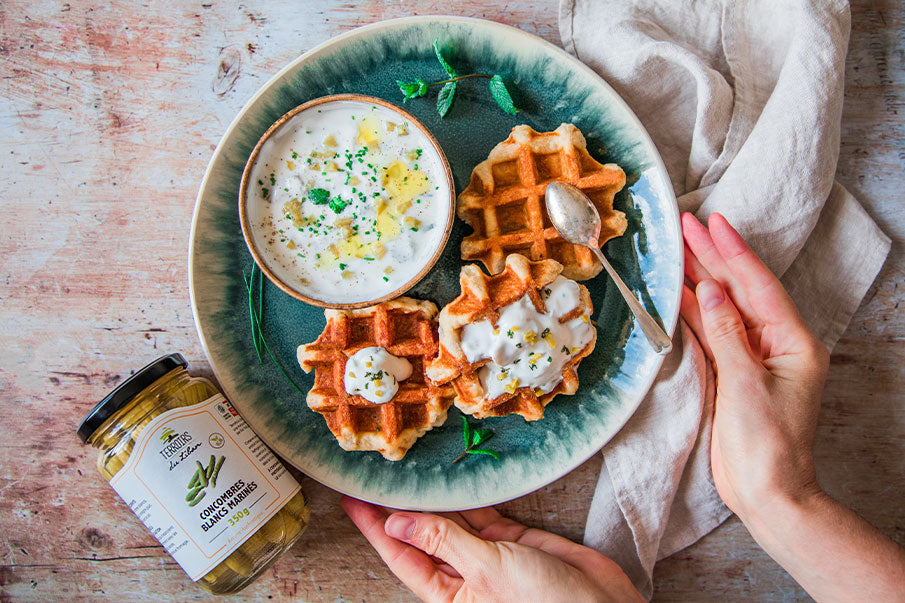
(474, 438)
(498, 90)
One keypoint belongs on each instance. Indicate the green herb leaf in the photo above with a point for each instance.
(337, 204)
(474, 437)
(412, 89)
(319, 196)
(492, 453)
(409, 89)
(466, 431)
(446, 66)
(445, 98)
(501, 95)
(479, 436)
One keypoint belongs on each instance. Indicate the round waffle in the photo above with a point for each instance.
(504, 201)
(405, 327)
(482, 298)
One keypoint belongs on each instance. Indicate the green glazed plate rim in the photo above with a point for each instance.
(525, 485)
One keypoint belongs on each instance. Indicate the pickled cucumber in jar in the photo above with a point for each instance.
(217, 499)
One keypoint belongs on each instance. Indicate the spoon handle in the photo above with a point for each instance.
(658, 339)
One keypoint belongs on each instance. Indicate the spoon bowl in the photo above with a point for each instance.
(576, 219)
(572, 213)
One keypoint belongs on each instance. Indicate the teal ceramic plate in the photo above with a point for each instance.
(550, 87)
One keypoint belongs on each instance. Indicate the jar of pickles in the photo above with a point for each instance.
(187, 464)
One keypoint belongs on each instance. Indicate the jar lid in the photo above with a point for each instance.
(126, 392)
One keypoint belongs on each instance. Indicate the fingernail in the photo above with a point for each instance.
(399, 526)
(709, 294)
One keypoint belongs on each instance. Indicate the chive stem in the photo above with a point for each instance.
(254, 332)
(260, 297)
(257, 322)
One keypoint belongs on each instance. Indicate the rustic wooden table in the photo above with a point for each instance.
(109, 115)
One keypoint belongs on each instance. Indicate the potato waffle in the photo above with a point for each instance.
(405, 327)
(504, 201)
(482, 298)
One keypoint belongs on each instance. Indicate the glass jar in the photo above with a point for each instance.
(190, 436)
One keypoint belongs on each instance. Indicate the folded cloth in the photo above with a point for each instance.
(743, 99)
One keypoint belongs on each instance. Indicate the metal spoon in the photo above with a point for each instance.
(576, 219)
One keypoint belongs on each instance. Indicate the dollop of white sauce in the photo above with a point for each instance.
(528, 348)
(374, 374)
(347, 201)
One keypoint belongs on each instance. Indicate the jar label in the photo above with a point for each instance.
(202, 482)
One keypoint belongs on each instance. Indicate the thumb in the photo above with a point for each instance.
(723, 328)
(442, 538)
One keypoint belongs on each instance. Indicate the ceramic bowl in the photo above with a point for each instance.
(285, 278)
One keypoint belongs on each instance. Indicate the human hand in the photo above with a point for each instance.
(770, 370)
(481, 555)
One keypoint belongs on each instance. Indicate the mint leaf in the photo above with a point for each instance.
(412, 89)
(492, 453)
(501, 95)
(318, 196)
(466, 431)
(445, 98)
(479, 436)
(408, 88)
(446, 66)
(337, 204)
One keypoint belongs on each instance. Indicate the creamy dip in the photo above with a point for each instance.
(528, 348)
(374, 374)
(347, 201)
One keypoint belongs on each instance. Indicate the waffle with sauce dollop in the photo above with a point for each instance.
(406, 328)
(504, 201)
(484, 298)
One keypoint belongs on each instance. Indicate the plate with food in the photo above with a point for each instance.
(377, 285)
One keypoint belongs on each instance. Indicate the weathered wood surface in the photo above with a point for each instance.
(108, 117)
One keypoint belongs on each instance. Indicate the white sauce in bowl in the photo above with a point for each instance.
(347, 201)
(527, 348)
(374, 374)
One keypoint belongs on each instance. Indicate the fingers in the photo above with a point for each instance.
(694, 271)
(774, 306)
(457, 517)
(480, 519)
(691, 312)
(586, 560)
(443, 538)
(724, 330)
(409, 564)
(706, 261)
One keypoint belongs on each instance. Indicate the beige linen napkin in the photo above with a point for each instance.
(743, 100)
